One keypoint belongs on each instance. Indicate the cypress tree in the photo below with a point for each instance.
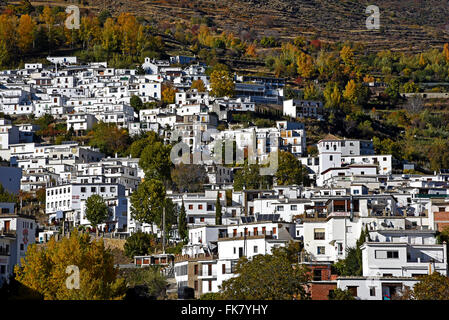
(218, 213)
(182, 223)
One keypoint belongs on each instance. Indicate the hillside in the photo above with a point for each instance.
(408, 25)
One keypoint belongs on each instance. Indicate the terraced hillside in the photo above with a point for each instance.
(410, 25)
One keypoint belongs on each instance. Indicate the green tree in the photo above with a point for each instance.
(267, 277)
(249, 177)
(5, 196)
(182, 223)
(291, 171)
(189, 177)
(218, 213)
(155, 161)
(392, 90)
(139, 144)
(44, 269)
(96, 210)
(136, 103)
(352, 264)
(147, 279)
(139, 244)
(339, 294)
(431, 287)
(147, 202)
(109, 138)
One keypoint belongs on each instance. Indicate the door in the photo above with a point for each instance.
(7, 226)
(240, 252)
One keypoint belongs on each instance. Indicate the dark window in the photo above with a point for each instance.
(353, 290)
(372, 291)
(317, 275)
(195, 269)
(319, 234)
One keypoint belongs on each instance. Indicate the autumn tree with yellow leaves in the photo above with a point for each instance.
(222, 84)
(305, 65)
(25, 33)
(44, 270)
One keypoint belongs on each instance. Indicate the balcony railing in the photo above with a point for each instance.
(247, 234)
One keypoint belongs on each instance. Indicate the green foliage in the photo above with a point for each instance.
(339, 294)
(147, 201)
(153, 282)
(136, 103)
(139, 244)
(211, 296)
(155, 161)
(109, 139)
(5, 196)
(431, 287)
(352, 264)
(182, 223)
(189, 177)
(291, 171)
(96, 210)
(267, 277)
(250, 178)
(218, 211)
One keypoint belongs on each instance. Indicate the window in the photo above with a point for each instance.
(210, 285)
(280, 208)
(195, 269)
(21, 246)
(321, 250)
(93, 189)
(190, 206)
(317, 275)
(384, 254)
(2, 269)
(372, 291)
(195, 284)
(102, 189)
(331, 158)
(293, 207)
(200, 206)
(348, 229)
(83, 189)
(255, 249)
(223, 269)
(319, 234)
(202, 219)
(353, 290)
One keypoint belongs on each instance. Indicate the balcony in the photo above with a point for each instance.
(207, 274)
(7, 232)
(243, 235)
